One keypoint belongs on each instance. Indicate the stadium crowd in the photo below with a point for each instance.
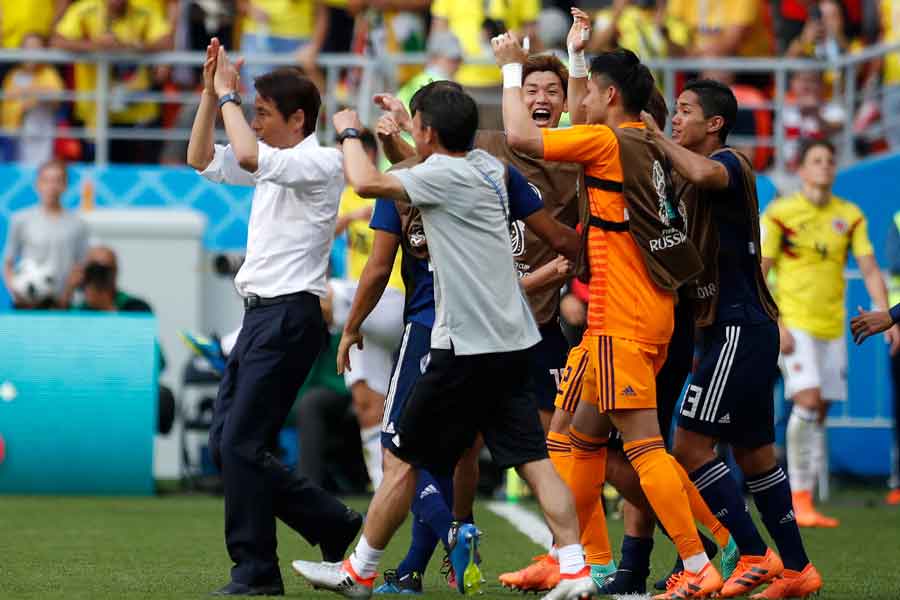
(35, 128)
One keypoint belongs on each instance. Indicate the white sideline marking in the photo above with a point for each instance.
(525, 521)
(532, 526)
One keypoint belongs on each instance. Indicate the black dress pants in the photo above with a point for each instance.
(273, 354)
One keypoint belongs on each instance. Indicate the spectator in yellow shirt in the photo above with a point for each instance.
(641, 26)
(725, 28)
(19, 17)
(115, 25)
(890, 34)
(23, 110)
(474, 22)
(282, 26)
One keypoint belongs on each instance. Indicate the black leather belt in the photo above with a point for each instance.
(254, 301)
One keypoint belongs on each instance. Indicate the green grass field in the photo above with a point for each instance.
(172, 547)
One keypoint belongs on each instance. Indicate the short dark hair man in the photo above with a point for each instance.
(475, 371)
(297, 185)
(731, 394)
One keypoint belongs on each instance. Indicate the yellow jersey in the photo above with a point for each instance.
(44, 77)
(707, 19)
(87, 19)
(18, 18)
(360, 239)
(465, 18)
(809, 245)
(293, 19)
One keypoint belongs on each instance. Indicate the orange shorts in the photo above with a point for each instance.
(612, 373)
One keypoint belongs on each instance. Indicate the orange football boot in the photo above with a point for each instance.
(704, 584)
(793, 584)
(893, 497)
(751, 572)
(807, 515)
(541, 575)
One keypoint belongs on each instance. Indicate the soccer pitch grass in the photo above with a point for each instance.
(172, 547)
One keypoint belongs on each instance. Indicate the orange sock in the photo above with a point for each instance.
(664, 491)
(586, 477)
(560, 450)
(699, 508)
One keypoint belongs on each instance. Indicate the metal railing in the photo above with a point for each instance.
(379, 73)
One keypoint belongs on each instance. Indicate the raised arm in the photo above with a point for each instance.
(372, 282)
(365, 179)
(242, 139)
(521, 132)
(200, 149)
(699, 170)
(579, 34)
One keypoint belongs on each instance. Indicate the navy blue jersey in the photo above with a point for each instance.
(738, 297)
(418, 277)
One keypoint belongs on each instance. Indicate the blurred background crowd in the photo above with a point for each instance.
(155, 101)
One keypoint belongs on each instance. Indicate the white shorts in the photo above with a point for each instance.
(815, 363)
(382, 331)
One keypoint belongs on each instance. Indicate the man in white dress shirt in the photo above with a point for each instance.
(297, 185)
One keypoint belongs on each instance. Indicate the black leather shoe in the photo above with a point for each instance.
(242, 589)
(335, 548)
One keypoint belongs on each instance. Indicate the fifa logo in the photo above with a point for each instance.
(517, 238)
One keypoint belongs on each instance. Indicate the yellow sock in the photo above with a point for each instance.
(699, 508)
(588, 472)
(560, 450)
(664, 491)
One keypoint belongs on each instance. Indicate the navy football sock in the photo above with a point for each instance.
(431, 520)
(724, 498)
(421, 547)
(636, 555)
(772, 494)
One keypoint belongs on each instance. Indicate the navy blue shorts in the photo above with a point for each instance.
(731, 394)
(548, 360)
(409, 367)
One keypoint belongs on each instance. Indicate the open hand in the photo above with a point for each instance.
(393, 105)
(348, 340)
(209, 66)
(386, 127)
(227, 78)
(507, 49)
(650, 123)
(580, 32)
(869, 322)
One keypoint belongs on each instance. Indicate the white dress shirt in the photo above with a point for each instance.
(292, 218)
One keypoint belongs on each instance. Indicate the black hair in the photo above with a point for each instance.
(451, 112)
(416, 101)
(99, 276)
(716, 99)
(657, 108)
(624, 70)
(807, 144)
(291, 91)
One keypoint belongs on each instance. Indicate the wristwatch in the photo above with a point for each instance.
(349, 133)
(230, 97)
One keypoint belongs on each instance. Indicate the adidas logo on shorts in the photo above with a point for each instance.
(788, 517)
(429, 490)
(390, 428)
(629, 391)
(726, 418)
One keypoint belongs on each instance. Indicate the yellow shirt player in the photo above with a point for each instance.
(807, 238)
(114, 25)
